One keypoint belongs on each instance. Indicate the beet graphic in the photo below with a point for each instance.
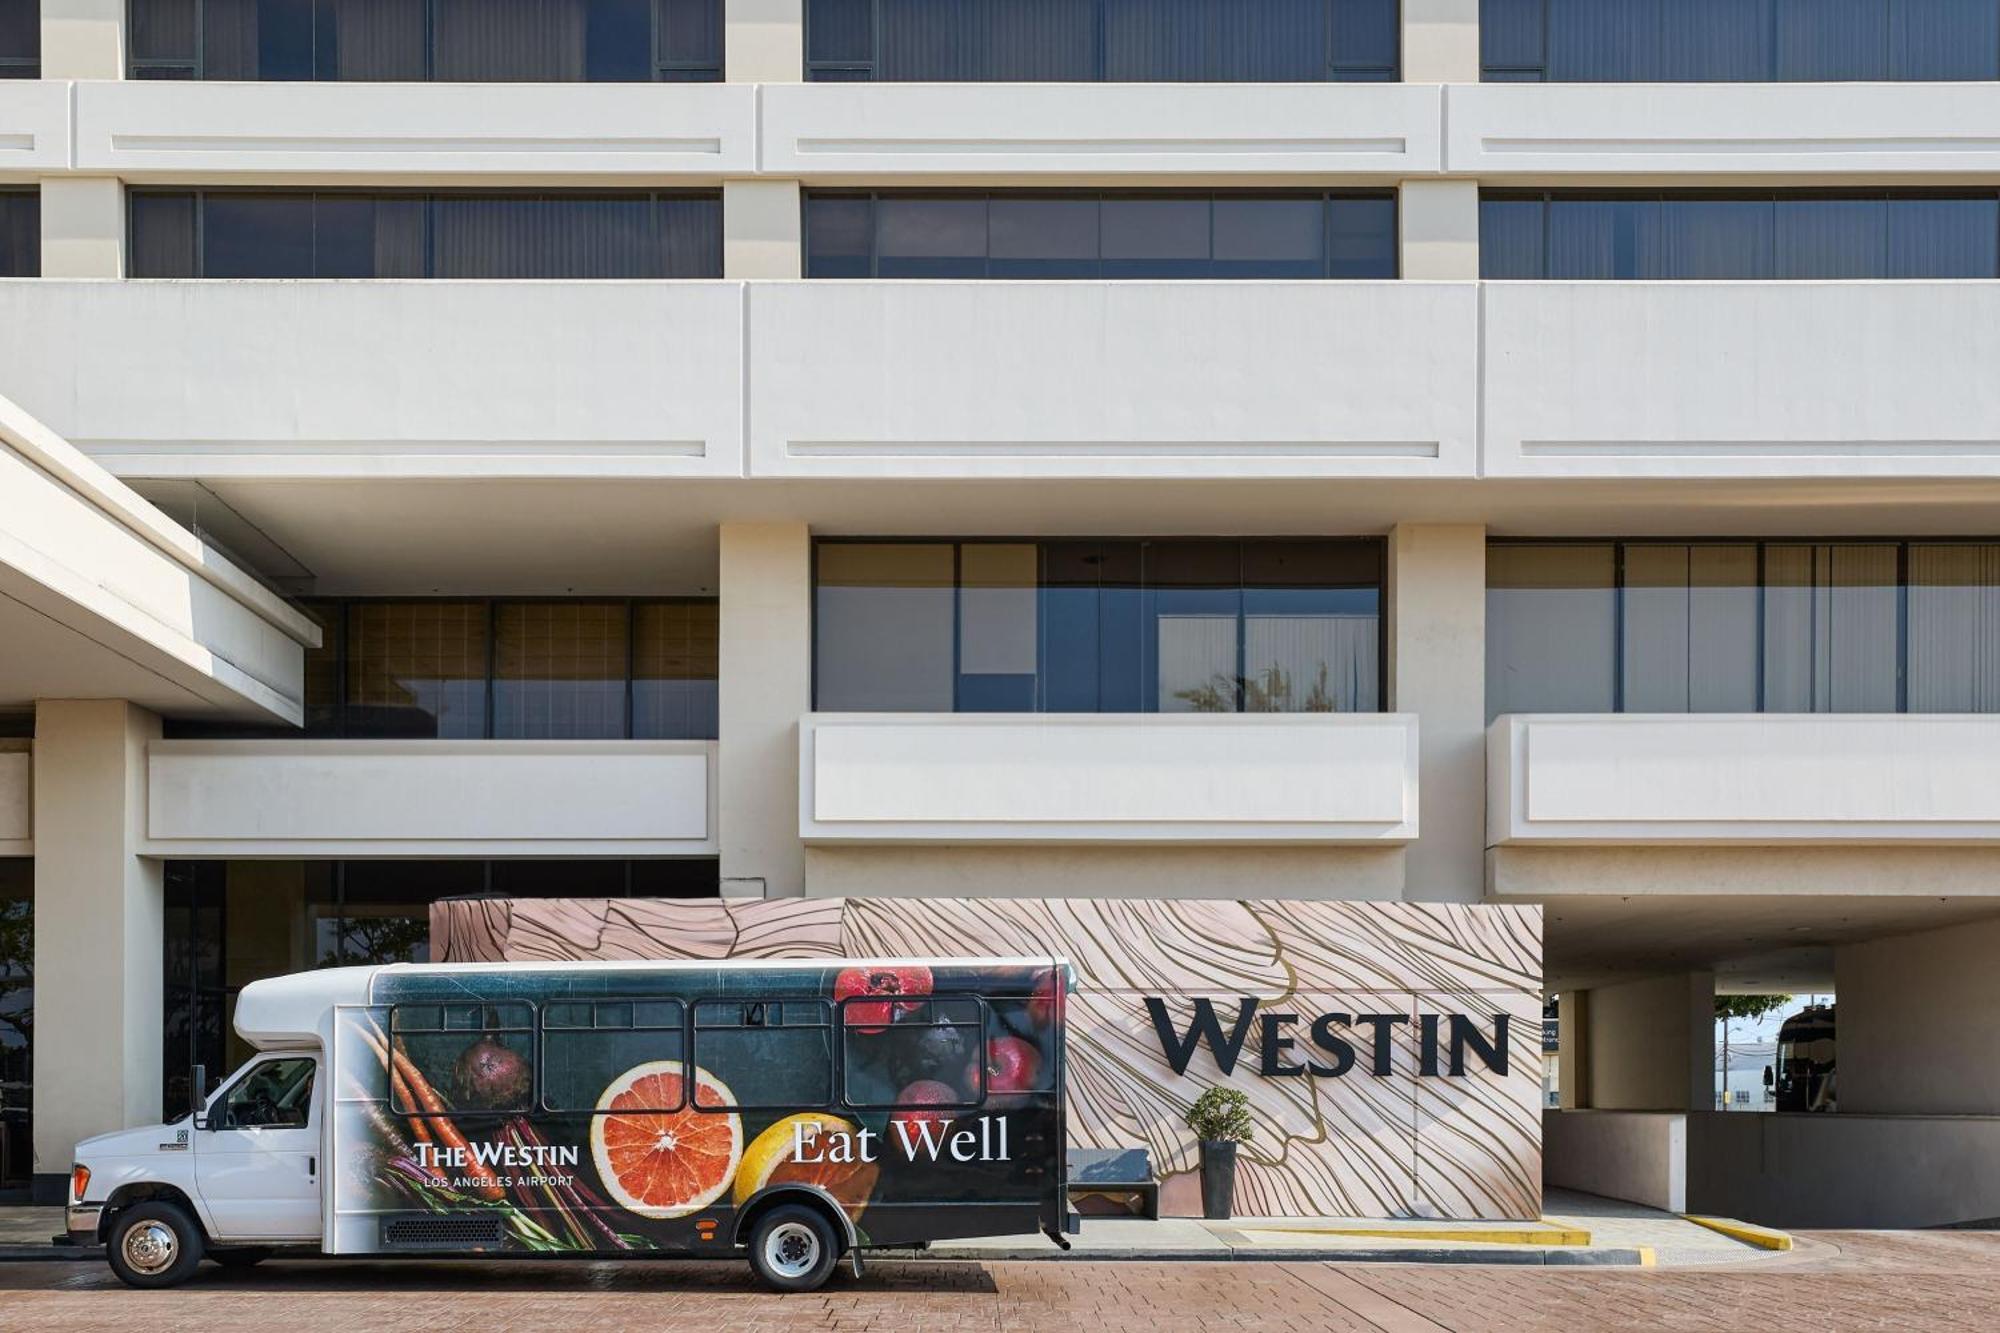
(491, 1077)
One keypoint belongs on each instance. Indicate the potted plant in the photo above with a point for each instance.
(1220, 1119)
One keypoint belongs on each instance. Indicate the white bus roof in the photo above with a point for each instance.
(293, 1010)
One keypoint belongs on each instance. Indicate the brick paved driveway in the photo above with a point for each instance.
(1930, 1280)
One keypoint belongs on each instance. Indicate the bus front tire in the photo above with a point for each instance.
(793, 1248)
(154, 1245)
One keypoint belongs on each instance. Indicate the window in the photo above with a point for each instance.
(545, 669)
(20, 227)
(1738, 627)
(1723, 41)
(20, 39)
(1098, 627)
(276, 1094)
(1739, 234)
(398, 41)
(489, 234)
(937, 1042)
(474, 1057)
(773, 1055)
(17, 1020)
(587, 1044)
(1115, 41)
(1021, 234)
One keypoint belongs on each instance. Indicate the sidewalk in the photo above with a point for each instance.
(1574, 1229)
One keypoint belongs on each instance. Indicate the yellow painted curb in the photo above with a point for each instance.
(1764, 1238)
(1543, 1235)
(1647, 1259)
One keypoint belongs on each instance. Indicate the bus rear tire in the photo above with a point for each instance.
(793, 1248)
(154, 1245)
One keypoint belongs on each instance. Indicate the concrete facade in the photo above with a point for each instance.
(619, 440)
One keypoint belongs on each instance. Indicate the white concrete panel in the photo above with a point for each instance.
(100, 589)
(1757, 379)
(429, 798)
(302, 379)
(17, 798)
(823, 131)
(1264, 777)
(1743, 778)
(1640, 1156)
(1748, 129)
(160, 128)
(1086, 379)
(34, 127)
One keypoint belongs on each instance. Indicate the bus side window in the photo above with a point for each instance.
(475, 1056)
(587, 1044)
(926, 1054)
(772, 1055)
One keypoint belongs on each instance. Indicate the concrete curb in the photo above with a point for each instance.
(1749, 1233)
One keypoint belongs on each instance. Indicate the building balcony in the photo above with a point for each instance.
(1752, 379)
(386, 378)
(1324, 778)
(204, 132)
(309, 797)
(877, 132)
(1125, 379)
(1742, 778)
(1552, 131)
(34, 128)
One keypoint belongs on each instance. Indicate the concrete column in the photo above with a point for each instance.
(83, 39)
(1650, 1045)
(83, 227)
(1437, 670)
(99, 909)
(764, 41)
(1438, 230)
(765, 682)
(1440, 41)
(762, 229)
(1573, 1053)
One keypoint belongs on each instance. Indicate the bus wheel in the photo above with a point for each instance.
(793, 1248)
(154, 1245)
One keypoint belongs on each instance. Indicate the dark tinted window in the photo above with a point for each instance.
(774, 1055)
(1717, 41)
(1023, 234)
(1118, 41)
(1736, 627)
(1098, 626)
(491, 234)
(20, 233)
(1740, 235)
(465, 41)
(20, 39)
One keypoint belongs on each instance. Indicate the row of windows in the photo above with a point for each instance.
(1119, 41)
(1739, 234)
(450, 41)
(1098, 626)
(772, 1054)
(1747, 41)
(1019, 234)
(530, 670)
(1741, 627)
(1619, 235)
(357, 234)
(1103, 41)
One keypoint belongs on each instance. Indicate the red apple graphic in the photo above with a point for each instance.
(901, 980)
(1012, 1065)
(925, 1092)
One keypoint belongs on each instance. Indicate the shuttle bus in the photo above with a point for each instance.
(789, 1112)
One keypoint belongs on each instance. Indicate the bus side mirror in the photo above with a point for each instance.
(198, 1095)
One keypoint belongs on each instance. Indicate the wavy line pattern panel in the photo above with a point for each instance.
(1359, 1144)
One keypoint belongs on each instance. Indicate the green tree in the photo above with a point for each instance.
(1749, 1006)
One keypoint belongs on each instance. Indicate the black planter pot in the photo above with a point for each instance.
(1218, 1178)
